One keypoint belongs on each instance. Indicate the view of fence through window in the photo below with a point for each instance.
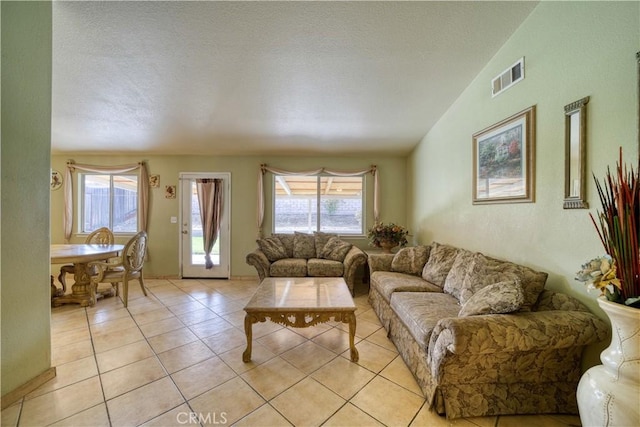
(330, 204)
(110, 201)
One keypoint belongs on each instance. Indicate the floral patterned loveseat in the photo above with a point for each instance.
(482, 336)
(302, 255)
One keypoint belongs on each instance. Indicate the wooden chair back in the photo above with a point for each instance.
(101, 236)
(134, 253)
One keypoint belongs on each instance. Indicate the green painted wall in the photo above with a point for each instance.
(571, 50)
(26, 136)
(164, 236)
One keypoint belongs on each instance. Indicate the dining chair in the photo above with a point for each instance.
(101, 236)
(129, 267)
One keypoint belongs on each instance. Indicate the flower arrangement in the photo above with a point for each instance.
(392, 233)
(600, 274)
(618, 226)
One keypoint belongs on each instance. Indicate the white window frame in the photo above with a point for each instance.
(81, 202)
(319, 203)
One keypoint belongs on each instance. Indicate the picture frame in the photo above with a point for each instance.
(504, 160)
(169, 191)
(154, 181)
(575, 155)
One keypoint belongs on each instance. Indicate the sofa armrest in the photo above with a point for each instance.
(380, 262)
(259, 260)
(520, 332)
(354, 259)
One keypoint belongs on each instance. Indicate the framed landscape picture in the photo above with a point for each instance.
(504, 160)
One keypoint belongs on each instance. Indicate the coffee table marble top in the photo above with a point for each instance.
(302, 293)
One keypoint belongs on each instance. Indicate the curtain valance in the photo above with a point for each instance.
(143, 191)
(373, 170)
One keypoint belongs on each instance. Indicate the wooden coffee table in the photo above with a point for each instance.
(301, 302)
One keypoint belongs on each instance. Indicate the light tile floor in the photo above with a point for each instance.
(174, 358)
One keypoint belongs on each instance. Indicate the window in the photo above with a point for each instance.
(330, 204)
(108, 200)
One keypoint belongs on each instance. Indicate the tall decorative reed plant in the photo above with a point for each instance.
(618, 225)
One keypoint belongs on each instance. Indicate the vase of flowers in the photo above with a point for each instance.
(618, 226)
(387, 236)
(608, 394)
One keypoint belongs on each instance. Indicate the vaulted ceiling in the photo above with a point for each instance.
(255, 78)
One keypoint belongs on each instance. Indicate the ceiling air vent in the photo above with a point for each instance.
(508, 78)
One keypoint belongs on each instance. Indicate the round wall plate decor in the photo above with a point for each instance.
(56, 180)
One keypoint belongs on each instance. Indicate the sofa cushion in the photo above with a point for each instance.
(321, 239)
(272, 248)
(410, 260)
(287, 241)
(335, 249)
(324, 268)
(304, 245)
(421, 311)
(550, 300)
(289, 267)
(485, 271)
(455, 279)
(501, 297)
(441, 258)
(386, 283)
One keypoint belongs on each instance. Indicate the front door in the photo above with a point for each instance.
(192, 242)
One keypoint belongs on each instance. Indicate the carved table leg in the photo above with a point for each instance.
(54, 290)
(352, 333)
(248, 330)
(82, 291)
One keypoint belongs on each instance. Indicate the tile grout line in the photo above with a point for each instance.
(131, 316)
(155, 354)
(236, 374)
(99, 374)
(95, 358)
(186, 401)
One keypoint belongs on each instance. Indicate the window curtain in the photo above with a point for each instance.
(373, 170)
(143, 191)
(210, 202)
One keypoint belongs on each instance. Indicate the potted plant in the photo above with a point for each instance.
(387, 236)
(608, 394)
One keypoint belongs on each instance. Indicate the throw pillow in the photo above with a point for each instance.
(304, 245)
(321, 239)
(441, 258)
(498, 298)
(484, 271)
(336, 249)
(287, 241)
(410, 260)
(454, 282)
(272, 248)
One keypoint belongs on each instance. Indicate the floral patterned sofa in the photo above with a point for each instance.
(302, 255)
(480, 335)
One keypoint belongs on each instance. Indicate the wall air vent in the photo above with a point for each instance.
(508, 78)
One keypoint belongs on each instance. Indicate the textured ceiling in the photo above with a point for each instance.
(285, 78)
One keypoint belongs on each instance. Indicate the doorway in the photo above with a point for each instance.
(192, 254)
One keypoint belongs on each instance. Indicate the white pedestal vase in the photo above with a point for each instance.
(609, 394)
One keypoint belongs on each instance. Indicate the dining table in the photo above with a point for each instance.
(80, 255)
